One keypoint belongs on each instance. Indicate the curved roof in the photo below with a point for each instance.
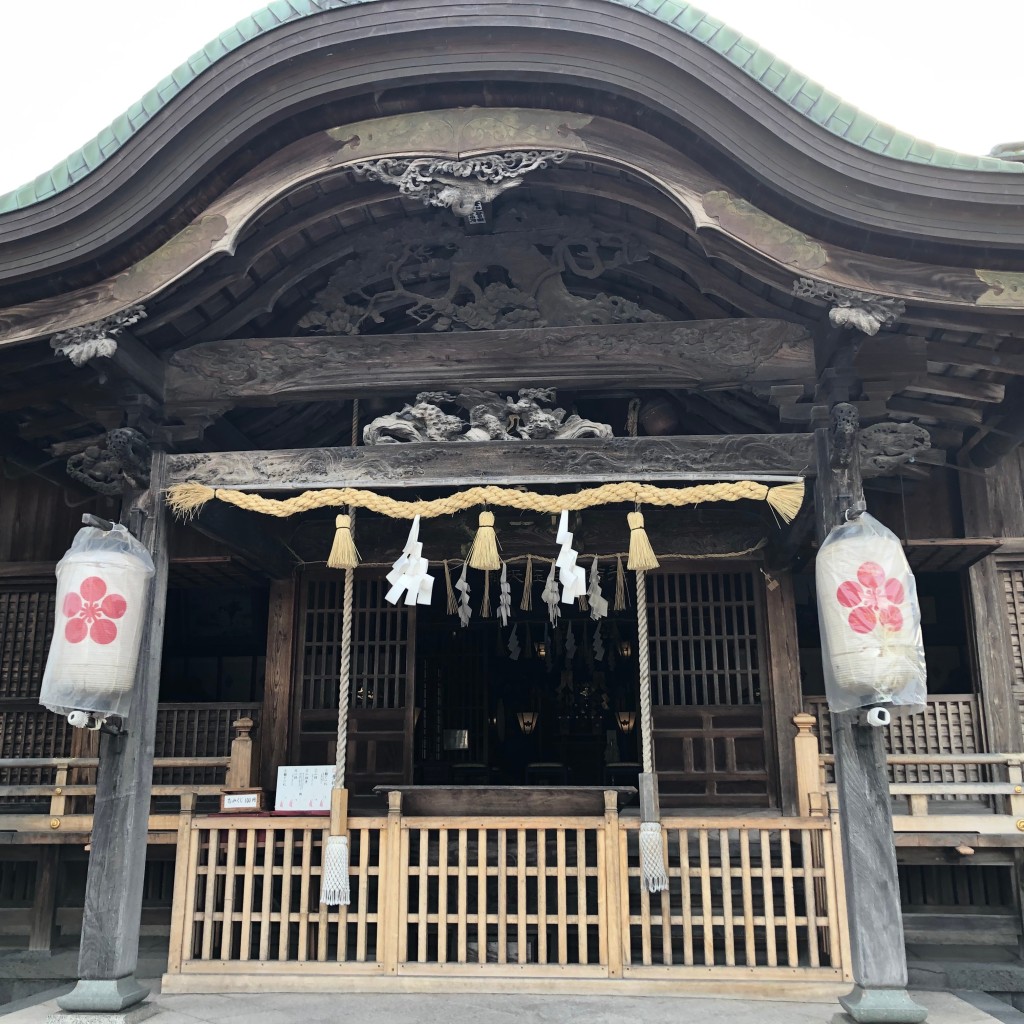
(806, 97)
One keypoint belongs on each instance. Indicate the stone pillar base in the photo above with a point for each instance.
(104, 996)
(879, 1006)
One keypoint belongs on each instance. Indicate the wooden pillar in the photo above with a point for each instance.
(785, 694)
(992, 506)
(810, 795)
(239, 773)
(112, 914)
(44, 903)
(277, 690)
(878, 955)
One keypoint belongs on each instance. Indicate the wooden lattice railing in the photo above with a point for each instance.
(67, 802)
(525, 896)
(948, 725)
(182, 731)
(955, 793)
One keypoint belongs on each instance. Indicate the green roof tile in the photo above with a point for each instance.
(775, 75)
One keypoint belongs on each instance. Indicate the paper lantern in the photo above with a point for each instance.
(102, 597)
(871, 645)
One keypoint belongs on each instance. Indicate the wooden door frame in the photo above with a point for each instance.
(772, 741)
(303, 579)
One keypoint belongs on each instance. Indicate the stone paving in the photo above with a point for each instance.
(263, 1008)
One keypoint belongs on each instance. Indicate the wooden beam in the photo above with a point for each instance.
(247, 535)
(944, 412)
(974, 358)
(591, 460)
(958, 387)
(277, 692)
(785, 700)
(44, 902)
(663, 355)
(133, 360)
(987, 500)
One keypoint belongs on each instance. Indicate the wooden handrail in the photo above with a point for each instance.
(941, 759)
(92, 762)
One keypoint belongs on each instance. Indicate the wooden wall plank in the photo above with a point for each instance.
(277, 692)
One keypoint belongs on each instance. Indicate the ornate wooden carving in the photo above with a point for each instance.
(99, 338)
(218, 228)
(663, 355)
(459, 185)
(862, 311)
(122, 463)
(398, 268)
(884, 447)
(491, 418)
(732, 457)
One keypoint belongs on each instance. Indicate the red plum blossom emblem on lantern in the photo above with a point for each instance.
(873, 600)
(91, 612)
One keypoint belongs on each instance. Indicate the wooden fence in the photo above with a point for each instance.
(66, 804)
(949, 725)
(981, 794)
(750, 900)
(182, 731)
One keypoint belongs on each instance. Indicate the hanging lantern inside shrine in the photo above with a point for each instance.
(102, 597)
(871, 645)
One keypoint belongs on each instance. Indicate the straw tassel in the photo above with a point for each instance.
(787, 499)
(641, 554)
(343, 552)
(185, 500)
(527, 602)
(620, 585)
(453, 604)
(484, 552)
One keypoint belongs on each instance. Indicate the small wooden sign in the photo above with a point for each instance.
(304, 788)
(241, 800)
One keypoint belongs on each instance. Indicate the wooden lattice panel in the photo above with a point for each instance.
(380, 646)
(759, 895)
(502, 895)
(706, 657)
(196, 730)
(948, 725)
(26, 626)
(32, 731)
(254, 895)
(1013, 587)
(704, 639)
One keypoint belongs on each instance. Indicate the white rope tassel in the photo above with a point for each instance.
(652, 848)
(652, 857)
(334, 884)
(334, 887)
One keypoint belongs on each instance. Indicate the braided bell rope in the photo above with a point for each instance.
(643, 654)
(344, 675)
(187, 498)
(345, 666)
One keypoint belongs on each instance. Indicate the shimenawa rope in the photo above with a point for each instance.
(186, 499)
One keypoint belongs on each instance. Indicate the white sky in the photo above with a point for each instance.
(69, 67)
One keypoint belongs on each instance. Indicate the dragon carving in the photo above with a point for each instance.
(490, 418)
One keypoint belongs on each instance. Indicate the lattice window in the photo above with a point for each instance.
(1013, 588)
(26, 625)
(380, 647)
(704, 642)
